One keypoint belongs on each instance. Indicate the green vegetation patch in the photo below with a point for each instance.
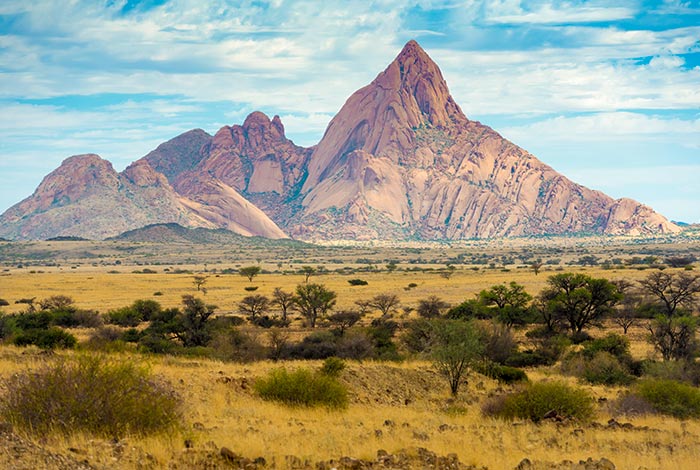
(93, 394)
(302, 387)
(669, 397)
(537, 400)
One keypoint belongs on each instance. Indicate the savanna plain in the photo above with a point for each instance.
(206, 326)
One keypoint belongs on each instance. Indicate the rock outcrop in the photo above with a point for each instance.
(400, 160)
(86, 197)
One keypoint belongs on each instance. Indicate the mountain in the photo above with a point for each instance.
(400, 160)
(86, 197)
(174, 233)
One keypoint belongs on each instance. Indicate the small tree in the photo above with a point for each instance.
(385, 303)
(278, 339)
(455, 348)
(56, 302)
(313, 301)
(674, 337)
(391, 267)
(307, 271)
(448, 272)
(254, 305)
(432, 307)
(250, 272)
(510, 301)
(672, 290)
(536, 266)
(283, 300)
(578, 299)
(190, 325)
(199, 281)
(626, 312)
(344, 319)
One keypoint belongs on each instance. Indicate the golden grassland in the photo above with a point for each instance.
(98, 289)
(393, 407)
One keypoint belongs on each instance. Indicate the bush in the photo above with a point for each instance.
(90, 394)
(606, 369)
(4, 303)
(537, 400)
(302, 388)
(250, 288)
(318, 345)
(232, 344)
(669, 397)
(72, 317)
(332, 367)
(125, 316)
(616, 345)
(50, 338)
(680, 371)
(357, 282)
(498, 340)
(504, 374)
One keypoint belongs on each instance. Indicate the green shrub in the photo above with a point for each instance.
(680, 371)
(146, 308)
(50, 338)
(251, 288)
(606, 369)
(4, 303)
(302, 388)
(71, 317)
(125, 316)
(504, 374)
(614, 344)
(536, 400)
(90, 393)
(669, 397)
(357, 282)
(332, 366)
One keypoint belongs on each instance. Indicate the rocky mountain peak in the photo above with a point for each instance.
(381, 119)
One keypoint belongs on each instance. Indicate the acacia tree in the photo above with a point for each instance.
(254, 305)
(673, 330)
(674, 337)
(307, 271)
(432, 307)
(454, 347)
(250, 272)
(672, 291)
(313, 301)
(284, 300)
(344, 319)
(510, 301)
(626, 312)
(578, 300)
(385, 303)
(190, 325)
(199, 281)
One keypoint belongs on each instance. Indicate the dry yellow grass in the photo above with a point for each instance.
(96, 288)
(221, 410)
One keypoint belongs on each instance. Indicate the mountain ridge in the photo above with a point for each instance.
(400, 160)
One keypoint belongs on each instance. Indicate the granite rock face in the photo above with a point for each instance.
(400, 160)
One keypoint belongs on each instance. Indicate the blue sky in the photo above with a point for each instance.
(607, 92)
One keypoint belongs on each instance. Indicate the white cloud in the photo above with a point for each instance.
(551, 14)
(602, 127)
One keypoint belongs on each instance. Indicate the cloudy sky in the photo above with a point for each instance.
(607, 92)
